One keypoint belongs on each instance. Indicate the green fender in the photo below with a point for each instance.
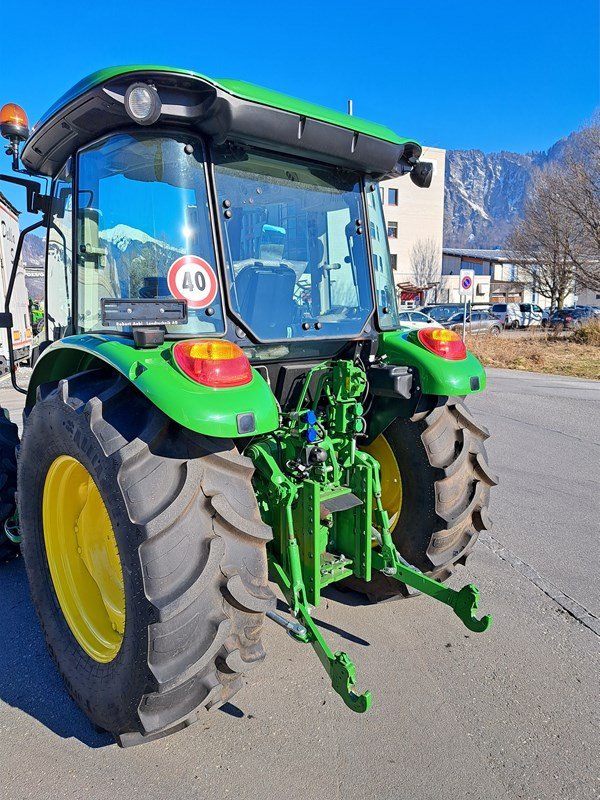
(212, 412)
(437, 375)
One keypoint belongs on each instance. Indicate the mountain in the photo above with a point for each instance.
(33, 253)
(123, 236)
(485, 192)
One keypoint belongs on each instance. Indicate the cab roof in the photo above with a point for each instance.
(219, 108)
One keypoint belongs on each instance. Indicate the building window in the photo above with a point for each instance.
(394, 261)
(392, 197)
(392, 230)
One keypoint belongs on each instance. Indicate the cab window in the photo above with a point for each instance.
(59, 255)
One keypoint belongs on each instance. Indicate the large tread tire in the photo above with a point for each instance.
(9, 442)
(446, 485)
(192, 546)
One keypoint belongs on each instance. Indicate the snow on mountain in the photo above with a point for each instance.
(485, 193)
(121, 236)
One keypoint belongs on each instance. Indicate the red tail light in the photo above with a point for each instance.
(443, 342)
(213, 362)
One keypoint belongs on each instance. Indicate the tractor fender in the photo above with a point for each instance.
(434, 380)
(437, 375)
(205, 410)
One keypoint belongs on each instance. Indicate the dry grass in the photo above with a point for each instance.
(576, 353)
(589, 333)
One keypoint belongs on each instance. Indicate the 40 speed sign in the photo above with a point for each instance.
(192, 279)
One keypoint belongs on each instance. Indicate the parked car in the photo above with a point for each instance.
(477, 322)
(509, 314)
(417, 320)
(546, 314)
(594, 309)
(571, 317)
(443, 312)
(531, 315)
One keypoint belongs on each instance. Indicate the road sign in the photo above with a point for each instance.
(467, 279)
(191, 278)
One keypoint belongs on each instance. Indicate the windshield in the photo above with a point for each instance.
(440, 313)
(499, 307)
(144, 231)
(294, 245)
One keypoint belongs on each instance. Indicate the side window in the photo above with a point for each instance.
(60, 264)
(383, 264)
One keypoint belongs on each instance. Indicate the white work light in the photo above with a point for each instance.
(142, 103)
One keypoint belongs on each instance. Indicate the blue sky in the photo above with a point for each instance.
(489, 75)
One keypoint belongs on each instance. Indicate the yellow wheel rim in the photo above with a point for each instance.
(391, 482)
(83, 557)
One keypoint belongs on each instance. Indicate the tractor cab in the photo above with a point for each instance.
(222, 391)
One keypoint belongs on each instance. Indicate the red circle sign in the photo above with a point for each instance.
(192, 279)
(466, 282)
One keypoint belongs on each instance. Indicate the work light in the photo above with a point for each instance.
(142, 103)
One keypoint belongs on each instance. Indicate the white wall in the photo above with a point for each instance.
(419, 213)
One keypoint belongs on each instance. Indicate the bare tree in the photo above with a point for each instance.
(577, 188)
(548, 243)
(425, 261)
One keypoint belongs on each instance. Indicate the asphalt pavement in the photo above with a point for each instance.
(512, 713)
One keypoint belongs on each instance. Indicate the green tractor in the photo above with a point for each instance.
(223, 394)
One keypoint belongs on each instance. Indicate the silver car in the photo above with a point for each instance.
(477, 322)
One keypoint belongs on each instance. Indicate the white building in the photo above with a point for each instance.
(497, 279)
(415, 221)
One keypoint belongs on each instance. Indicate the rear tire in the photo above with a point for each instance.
(446, 484)
(9, 441)
(192, 548)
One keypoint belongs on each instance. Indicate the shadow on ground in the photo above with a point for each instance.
(30, 680)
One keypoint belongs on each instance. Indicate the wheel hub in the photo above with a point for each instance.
(83, 558)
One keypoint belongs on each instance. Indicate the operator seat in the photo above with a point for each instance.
(266, 297)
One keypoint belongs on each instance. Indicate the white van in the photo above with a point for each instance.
(509, 314)
(531, 315)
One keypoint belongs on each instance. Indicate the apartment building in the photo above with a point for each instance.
(415, 223)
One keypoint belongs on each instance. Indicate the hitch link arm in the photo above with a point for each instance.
(463, 602)
(338, 666)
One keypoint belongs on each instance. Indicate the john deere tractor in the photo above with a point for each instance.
(224, 394)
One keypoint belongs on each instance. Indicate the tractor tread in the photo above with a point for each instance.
(9, 443)
(442, 519)
(199, 548)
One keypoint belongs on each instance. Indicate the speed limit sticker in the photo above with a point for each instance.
(192, 279)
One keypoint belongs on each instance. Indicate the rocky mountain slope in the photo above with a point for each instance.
(485, 193)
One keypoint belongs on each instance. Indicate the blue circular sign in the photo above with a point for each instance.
(466, 282)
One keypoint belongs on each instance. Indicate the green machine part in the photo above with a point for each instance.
(212, 412)
(322, 497)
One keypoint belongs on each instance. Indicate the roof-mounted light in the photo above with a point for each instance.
(142, 103)
(13, 122)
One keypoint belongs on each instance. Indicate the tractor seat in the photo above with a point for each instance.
(266, 298)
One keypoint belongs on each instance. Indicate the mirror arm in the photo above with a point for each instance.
(38, 202)
(9, 291)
